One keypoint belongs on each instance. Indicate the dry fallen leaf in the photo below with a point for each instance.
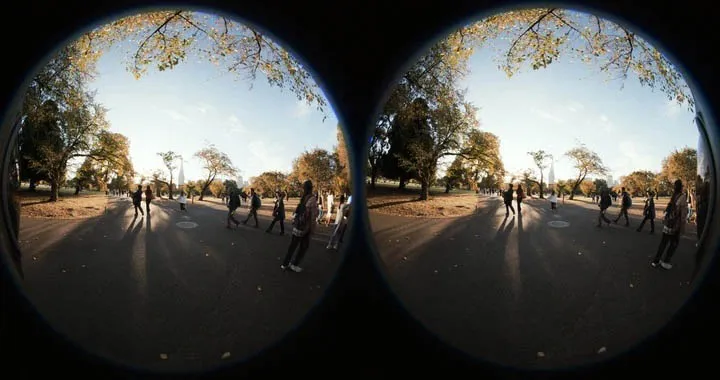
(541, 354)
(225, 355)
(163, 356)
(602, 349)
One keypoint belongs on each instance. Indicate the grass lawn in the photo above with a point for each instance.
(386, 198)
(85, 205)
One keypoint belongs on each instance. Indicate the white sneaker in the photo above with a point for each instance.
(295, 268)
(665, 265)
(328, 246)
(283, 267)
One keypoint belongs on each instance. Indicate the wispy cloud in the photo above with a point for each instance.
(203, 108)
(633, 157)
(606, 124)
(175, 115)
(672, 109)
(575, 106)
(234, 125)
(546, 115)
(267, 157)
(302, 109)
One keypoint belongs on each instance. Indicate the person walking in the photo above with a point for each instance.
(303, 227)
(255, 204)
(674, 220)
(553, 201)
(182, 200)
(137, 200)
(341, 220)
(148, 198)
(605, 202)
(520, 195)
(232, 205)
(508, 197)
(625, 204)
(648, 212)
(278, 213)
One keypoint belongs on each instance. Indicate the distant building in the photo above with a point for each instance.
(610, 181)
(551, 175)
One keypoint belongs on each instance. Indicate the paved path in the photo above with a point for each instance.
(146, 292)
(518, 292)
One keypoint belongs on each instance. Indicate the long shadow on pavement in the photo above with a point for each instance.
(535, 296)
(148, 293)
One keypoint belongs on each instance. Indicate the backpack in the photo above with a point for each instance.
(234, 201)
(301, 218)
(626, 201)
(507, 196)
(256, 202)
(672, 214)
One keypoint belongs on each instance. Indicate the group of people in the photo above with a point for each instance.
(306, 216)
(674, 220)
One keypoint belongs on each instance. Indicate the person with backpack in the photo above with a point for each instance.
(605, 202)
(648, 212)
(255, 204)
(137, 200)
(520, 195)
(278, 213)
(625, 204)
(303, 227)
(507, 198)
(232, 205)
(674, 219)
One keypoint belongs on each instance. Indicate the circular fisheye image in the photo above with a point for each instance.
(182, 190)
(537, 187)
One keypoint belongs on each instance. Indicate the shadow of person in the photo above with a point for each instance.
(148, 225)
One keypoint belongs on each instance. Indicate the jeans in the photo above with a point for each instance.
(652, 223)
(272, 224)
(669, 241)
(303, 242)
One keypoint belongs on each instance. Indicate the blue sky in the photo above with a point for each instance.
(265, 128)
(261, 129)
(632, 128)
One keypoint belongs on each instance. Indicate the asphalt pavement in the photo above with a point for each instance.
(538, 290)
(171, 290)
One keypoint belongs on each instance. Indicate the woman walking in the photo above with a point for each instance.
(304, 220)
(674, 220)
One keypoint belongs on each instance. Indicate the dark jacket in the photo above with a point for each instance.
(605, 201)
(137, 196)
(649, 210)
(279, 209)
(234, 202)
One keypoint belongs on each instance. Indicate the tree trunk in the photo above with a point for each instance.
(171, 189)
(33, 184)
(447, 188)
(373, 176)
(402, 183)
(77, 189)
(54, 190)
(542, 196)
(424, 189)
